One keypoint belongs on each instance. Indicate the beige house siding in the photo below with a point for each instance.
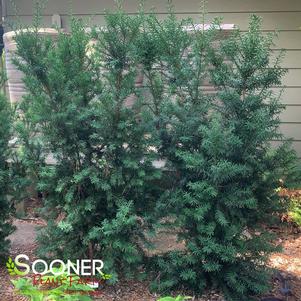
(283, 16)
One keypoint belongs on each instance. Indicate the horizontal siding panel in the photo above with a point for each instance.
(26, 7)
(296, 146)
(291, 131)
(27, 20)
(292, 78)
(216, 6)
(271, 21)
(292, 59)
(291, 114)
(250, 5)
(290, 40)
(290, 96)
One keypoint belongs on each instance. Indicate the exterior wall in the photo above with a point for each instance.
(283, 16)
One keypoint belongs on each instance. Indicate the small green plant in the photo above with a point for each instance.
(178, 298)
(24, 287)
(295, 210)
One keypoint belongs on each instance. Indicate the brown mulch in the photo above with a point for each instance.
(6, 287)
(290, 193)
(288, 263)
(138, 291)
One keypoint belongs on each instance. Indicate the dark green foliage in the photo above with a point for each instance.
(101, 183)
(27, 156)
(5, 209)
(85, 109)
(228, 171)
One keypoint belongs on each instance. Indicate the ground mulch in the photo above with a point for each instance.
(288, 263)
(22, 242)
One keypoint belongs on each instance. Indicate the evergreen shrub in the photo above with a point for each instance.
(99, 186)
(6, 227)
(220, 145)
